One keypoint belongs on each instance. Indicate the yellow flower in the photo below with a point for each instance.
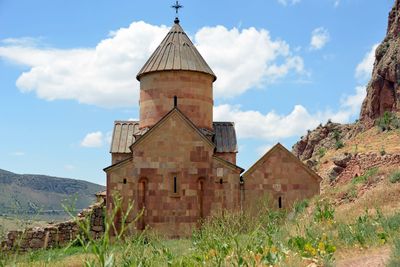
(212, 253)
(321, 247)
(309, 248)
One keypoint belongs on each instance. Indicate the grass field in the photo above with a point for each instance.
(314, 233)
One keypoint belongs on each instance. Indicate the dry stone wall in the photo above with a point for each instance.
(360, 163)
(55, 235)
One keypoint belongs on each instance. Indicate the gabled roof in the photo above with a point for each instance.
(122, 162)
(176, 52)
(127, 132)
(175, 110)
(124, 135)
(290, 154)
(225, 137)
(229, 164)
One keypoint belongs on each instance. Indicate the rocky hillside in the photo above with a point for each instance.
(380, 107)
(40, 194)
(383, 92)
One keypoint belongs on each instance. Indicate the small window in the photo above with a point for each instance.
(124, 181)
(175, 186)
(280, 202)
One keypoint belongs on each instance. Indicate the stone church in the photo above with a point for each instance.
(179, 165)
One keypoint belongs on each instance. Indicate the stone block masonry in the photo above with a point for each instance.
(55, 235)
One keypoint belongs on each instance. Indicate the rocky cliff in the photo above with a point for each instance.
(324, 137)
(383, 91)
(383, 94)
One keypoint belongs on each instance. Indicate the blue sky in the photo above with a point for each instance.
(67, 71)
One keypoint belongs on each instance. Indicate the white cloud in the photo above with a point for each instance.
(245, 59)
(270, 126)
(353, 102)
(105, 75)
(94, 139)
(364, 68)
(274, 127)
(319, 38)
(288, 2)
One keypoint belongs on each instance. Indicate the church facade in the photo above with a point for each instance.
(180, 166)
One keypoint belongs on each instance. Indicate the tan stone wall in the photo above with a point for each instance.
(174, 149)
(54, 235)
(194, 92)
(362, 162)
(279, 175)
(117, 157)
(230, 157)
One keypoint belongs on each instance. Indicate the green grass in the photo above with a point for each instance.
(269, 237)
(365, 178)
(395, 177)
(394, 260)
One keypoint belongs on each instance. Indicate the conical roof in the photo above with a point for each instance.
(176, 52)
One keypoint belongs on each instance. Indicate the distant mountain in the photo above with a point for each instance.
(41, 194)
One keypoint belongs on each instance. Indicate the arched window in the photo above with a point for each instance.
(201, 197)
(175, 186)
(142, 191)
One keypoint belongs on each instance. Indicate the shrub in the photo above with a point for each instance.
(300, 206)
(313, 246)
(363, 231)
(365, 177)
(388, 121)
(337, 136)
(324, 211)
(382, 151)
(395, 177)
(321, 152)
(339, 144)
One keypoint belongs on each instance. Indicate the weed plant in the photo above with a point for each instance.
(260, 237)
(395, 177)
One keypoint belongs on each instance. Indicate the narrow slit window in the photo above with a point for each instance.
(280, 202)
(175, 186)
(124, 181)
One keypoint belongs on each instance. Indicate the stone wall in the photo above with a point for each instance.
(175, 176)
(360, 163)
(55, 235)
(231, 157)
(193, 90)
(280, 178)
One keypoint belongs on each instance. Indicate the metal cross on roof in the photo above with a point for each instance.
(177, 6)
